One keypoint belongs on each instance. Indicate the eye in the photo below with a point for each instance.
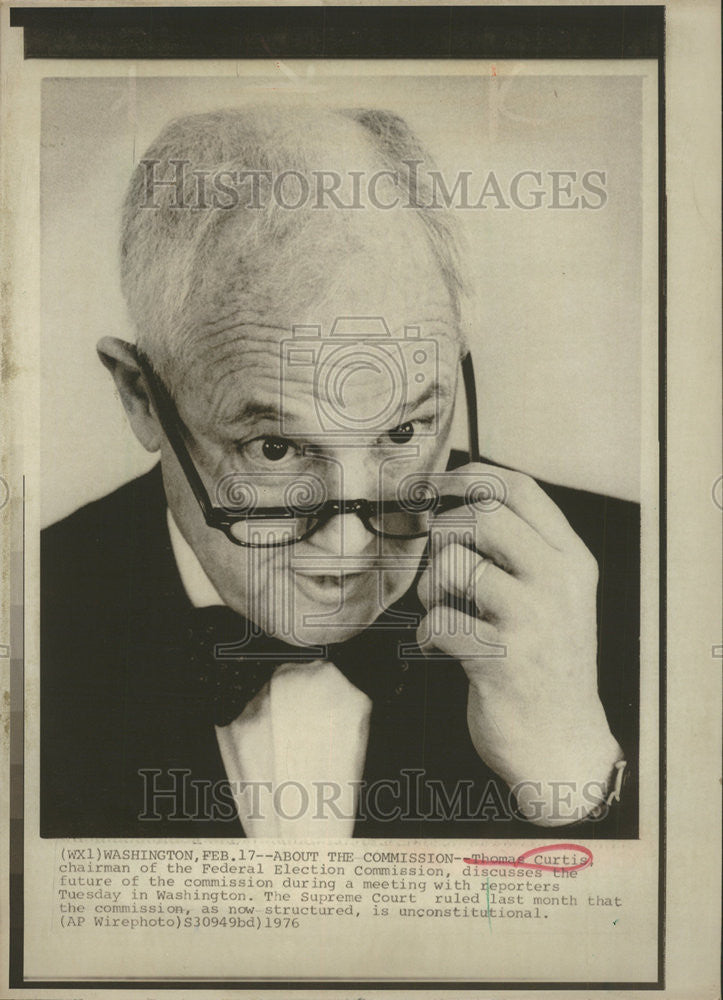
(270, 449)
(402, 434)
(275, 448)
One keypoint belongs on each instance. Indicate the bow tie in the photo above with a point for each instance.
(230, 662)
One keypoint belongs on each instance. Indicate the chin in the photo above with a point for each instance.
(317, 634)
(324, 636)
(321, 623)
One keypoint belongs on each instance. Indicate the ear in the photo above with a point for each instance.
(120, 359)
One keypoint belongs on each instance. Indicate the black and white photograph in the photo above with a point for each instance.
(328, 609)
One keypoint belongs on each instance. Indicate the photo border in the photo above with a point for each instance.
(380, 32)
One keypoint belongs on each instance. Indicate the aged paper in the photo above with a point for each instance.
(331, 830)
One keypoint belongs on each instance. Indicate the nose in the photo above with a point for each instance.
(356, 477)
(343, 534)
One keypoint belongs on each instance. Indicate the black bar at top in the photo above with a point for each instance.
(380, 32)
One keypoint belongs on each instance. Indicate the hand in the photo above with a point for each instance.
(510, 593)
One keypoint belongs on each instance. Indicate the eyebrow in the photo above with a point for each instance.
(435, 390)
(257, 410)
(252, 410)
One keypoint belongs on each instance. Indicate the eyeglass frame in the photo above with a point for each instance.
(220, 518)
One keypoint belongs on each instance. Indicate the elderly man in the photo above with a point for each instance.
(310, 618)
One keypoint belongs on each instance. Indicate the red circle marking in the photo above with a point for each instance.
(522, 863)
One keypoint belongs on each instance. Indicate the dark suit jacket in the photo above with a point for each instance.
(117, 722)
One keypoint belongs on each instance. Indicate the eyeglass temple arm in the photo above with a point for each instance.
(170, 423)
(470, 389)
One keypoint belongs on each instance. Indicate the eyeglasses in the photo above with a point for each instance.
(252, 526)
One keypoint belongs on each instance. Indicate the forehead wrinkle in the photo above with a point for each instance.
(237, 341)
(216, 329)
(221, 401)
(233, 355)
(242, 340)
(258, 408)
(231, 330)
(252, 369)
(247, 359)
(222, 331)
(446, 321)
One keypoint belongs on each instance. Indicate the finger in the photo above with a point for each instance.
(495, 486)
(460, 636)
(459, 573)
(498, 533)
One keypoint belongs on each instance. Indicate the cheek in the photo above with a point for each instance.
(234, 571)
(396, 582)
(181, 501)
(247, 580)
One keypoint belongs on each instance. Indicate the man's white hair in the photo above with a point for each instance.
(181, 266)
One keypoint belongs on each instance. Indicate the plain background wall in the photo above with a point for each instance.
(557, 314)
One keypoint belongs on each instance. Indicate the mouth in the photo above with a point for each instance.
(327, 585)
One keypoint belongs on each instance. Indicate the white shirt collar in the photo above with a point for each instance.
(199, 589)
